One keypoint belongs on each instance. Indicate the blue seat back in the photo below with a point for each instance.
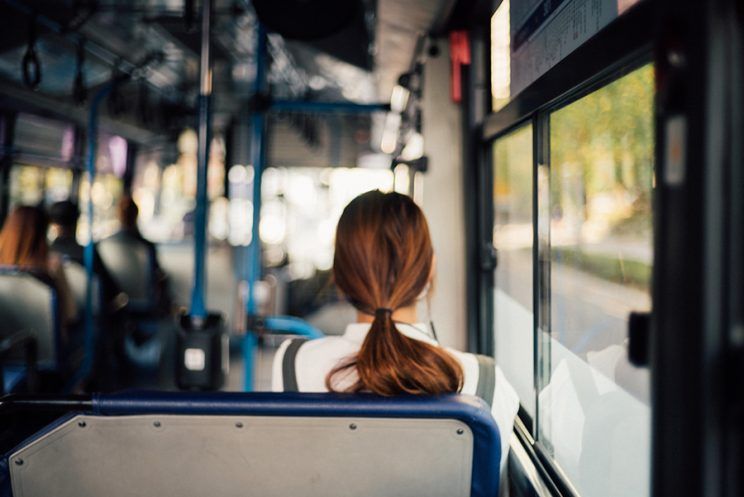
(262, 444)
(27, 303)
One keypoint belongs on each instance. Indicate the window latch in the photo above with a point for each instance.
(489, 258)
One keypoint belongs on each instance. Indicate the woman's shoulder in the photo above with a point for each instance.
(319, 345)
(312, 360)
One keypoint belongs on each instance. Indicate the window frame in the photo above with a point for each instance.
(595, 64)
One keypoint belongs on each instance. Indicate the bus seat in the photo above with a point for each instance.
(130, 265)
(29, 304)
(268, 444)
(78, 281)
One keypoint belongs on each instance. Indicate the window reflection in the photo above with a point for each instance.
(512, 235)
(593, 404)
(600, 214)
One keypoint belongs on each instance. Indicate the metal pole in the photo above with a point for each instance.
(198, 307)
(258, 155)
(89, 247)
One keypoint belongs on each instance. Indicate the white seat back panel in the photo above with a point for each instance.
(238, 456)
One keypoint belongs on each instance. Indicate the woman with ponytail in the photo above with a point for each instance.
(384, 265)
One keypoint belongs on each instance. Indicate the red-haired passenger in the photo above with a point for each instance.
(384, 264)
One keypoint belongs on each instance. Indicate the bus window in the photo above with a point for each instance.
(32, 185)
(26, 185)
(107, 190)
(58, 185)
(512, 235)
(301, 207)
(593, 406)
(500, 57)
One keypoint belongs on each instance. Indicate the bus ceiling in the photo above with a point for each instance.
(70, 48)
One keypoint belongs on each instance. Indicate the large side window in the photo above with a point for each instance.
(593, 408)
(512, 235)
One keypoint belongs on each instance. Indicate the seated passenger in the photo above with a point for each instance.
(128, 236)
(23, 244)
(384, 264)
(64, 218)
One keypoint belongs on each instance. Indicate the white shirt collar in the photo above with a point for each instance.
(356, 332)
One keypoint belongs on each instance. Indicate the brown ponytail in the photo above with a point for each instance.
(382, 263)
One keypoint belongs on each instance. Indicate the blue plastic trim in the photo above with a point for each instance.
(468, 409)
(326, 107)
(292, 325)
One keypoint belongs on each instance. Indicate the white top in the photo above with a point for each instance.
(316, 358)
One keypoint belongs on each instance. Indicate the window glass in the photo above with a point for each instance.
(164, 187)
(300, 210)
(593, 407)
(106, 193)
(500, 57)
(34, 185)
(58, 185)
(512, 235)
(26, 185)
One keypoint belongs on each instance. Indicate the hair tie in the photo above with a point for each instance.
(383, 312)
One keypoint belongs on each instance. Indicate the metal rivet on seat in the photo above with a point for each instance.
(156, 424)
(352, 426)
(82, 424)
(238, 425)
(19, 462)
(460, 431)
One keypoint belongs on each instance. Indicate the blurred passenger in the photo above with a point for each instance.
(384, 264)
(64, 219)
(23, 244)
(128, 236)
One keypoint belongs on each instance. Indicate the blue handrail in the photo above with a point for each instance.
(293, 326)
(198, 303)
(88, 254)
(258, 155)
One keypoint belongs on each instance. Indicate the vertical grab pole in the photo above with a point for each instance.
(258, 154)
(88, 253)
(198, 306)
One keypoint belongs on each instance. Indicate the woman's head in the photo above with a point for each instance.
(383, 262)
(23, 238)
(383, 256)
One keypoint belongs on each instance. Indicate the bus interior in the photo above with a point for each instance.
(580, 164)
